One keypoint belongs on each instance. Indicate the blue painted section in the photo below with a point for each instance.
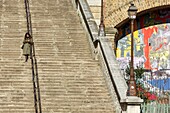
(161, 83)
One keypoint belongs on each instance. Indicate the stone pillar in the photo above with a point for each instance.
(132, 104)
(111, 37)
(95, 7)
(111, 34)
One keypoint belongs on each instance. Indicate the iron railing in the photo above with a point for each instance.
(35, 79)
(155, 108)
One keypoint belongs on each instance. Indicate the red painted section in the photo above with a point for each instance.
(147, 34)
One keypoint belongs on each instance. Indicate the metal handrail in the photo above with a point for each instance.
(35, 80)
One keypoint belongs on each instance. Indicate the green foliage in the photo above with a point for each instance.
(138, 72)
(141, 91)
(127, 70)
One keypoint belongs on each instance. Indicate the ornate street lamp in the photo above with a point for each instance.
(101, 26)
(132, 11)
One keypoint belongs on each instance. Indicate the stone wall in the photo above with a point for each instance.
(116, 10)
(95, 7)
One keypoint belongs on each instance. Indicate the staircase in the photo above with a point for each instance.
(71, 81)
(16, 92)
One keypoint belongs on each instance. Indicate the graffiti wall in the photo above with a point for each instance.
(151, 42)
(151, 50)
(151, 47)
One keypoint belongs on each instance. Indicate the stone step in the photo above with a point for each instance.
(70, 80)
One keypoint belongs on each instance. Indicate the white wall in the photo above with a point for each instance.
(94, 2)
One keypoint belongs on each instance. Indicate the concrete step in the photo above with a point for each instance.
(70, 80)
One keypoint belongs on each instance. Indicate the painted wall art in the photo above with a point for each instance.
(151, 41)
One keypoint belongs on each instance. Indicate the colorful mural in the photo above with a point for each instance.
(151, 47)
(151, 41)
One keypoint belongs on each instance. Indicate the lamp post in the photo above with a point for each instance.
(132, 11)
(101, 26)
